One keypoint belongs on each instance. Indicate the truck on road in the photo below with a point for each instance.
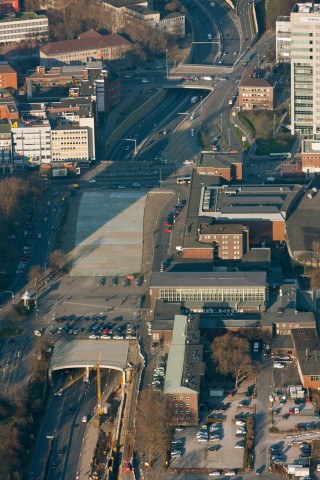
(209, 79)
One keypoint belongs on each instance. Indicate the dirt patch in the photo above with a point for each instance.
(156, 203)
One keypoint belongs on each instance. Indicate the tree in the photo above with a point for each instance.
(35, 275)
(231, 355)
(315, 278)
(152, 429)
(173, 6)
(316, 251)
(56, 261)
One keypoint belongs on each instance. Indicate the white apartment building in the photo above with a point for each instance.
(15, 28)
(70, 143)
(5, 145)
(283, 39)
(305, 69)
(31, 142)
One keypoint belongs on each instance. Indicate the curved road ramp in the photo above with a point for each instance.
(109, 233)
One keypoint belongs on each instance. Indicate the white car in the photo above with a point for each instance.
(84, 419)
(37, 333)
(188, 162)
(239, 445)
(231, 473)
(240, 423)
(93, 337)
(39, 235)
(278, 365)
(216, 473)
(92, 180)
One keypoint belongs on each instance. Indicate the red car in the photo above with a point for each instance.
(167, 224)
(168, 230)
(23, 259)
(105, 331)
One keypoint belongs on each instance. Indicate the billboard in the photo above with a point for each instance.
(59, 172)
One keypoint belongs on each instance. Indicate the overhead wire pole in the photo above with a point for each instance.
(99, 385)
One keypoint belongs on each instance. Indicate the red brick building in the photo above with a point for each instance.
(307, 351)
(228, 167)
(310, 156)
(183, 372)
(9, 6)
(8, 77)
(227, 241)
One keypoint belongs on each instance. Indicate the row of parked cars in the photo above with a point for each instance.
(172, 215)
(158, 376)
(176, 448)
(210, 433)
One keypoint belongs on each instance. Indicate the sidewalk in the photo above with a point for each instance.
(89, 443)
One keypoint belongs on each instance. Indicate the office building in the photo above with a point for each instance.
(25, 26)
(310, 156)
(5, 145)
(8, 77)
(305, 72)
(31, 142)
(198, 292)
(255, 91)
(283, 39)
(88, 46)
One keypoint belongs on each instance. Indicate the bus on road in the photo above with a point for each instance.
(280, 156)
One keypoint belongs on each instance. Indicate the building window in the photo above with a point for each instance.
(315, 378)
(181, 397)
(174, 397)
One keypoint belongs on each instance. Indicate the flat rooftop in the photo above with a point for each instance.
(249, 202)
(308, 7)
(307, 346)
(258, 257)
(216, 160)
(208, 279)
(85, 353)
(310, 146)
(303, 225)
(184, 366)
(164, 313)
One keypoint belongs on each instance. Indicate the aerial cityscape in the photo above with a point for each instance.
(159, 239)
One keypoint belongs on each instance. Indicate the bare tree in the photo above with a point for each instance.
(35, 274)
(231, 355)
(316, 251)
(56, 261)
(315, 278)
(152, 430)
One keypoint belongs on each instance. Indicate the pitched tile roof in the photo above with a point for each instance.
(86, 41)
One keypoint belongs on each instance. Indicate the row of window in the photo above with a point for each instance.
(175, 397)
(214, 295)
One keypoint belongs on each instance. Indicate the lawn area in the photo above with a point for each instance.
(274, 145)
(261, 124)
(239, 136)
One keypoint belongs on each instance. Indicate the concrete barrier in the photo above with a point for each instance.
(231, 4)
(253, 20)
(134, 117)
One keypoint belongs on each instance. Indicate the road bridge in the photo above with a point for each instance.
(189, 69)
(85, 354)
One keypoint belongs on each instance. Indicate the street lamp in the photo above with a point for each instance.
(229, 138)
(12, 295)
(201, 104)
(167, 67)
(258, 56)
(135, 143)
(221, 115)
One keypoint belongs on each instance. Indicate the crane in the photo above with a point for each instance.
(99, 385)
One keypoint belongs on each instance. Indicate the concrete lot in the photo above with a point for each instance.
(109, 233)
(288, 424)
(202, 455)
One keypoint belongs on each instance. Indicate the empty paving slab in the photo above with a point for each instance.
(109, 233)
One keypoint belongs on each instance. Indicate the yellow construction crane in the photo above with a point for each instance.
(99, 385)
